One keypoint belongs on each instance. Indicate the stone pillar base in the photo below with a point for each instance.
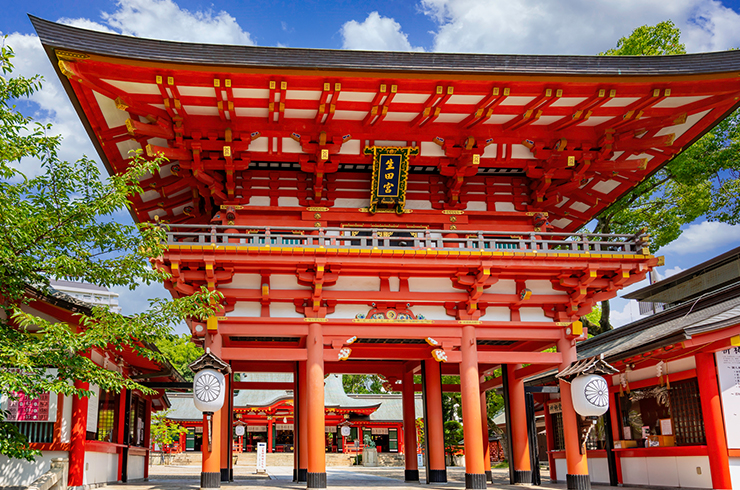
(411, 475)
(438, 476)
(578, 482)
(475, 481)
(489, 476)
(302, 474)
(210, 480)
(315, 480)
(522, 477)
(224, 474)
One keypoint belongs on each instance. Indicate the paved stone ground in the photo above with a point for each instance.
(245, 477)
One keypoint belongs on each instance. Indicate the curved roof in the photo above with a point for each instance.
(59, 35)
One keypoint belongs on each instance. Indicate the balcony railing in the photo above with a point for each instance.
(408, 238)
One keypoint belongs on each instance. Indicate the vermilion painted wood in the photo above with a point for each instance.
(673, 377)
(78, 436)
(714, 425)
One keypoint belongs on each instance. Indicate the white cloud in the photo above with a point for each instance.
(164, 19)
(703, 238)
(376, 33)
(629, 313)
(160, 19)
(573, 27)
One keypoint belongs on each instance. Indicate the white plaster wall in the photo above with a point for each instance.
(348, 311)
(246, 308)
(598, 470)
(735, 473)
(288, 201)
(357, 283)
(243, 281)
(477, 206)
(259, 201)
(16, 472)
(351, 203)
(136, 467)
(542, 287)
(284, 310)
(66, 432)
(668, 471)
(533, 315)
(561, 469)
(505, 206)
(432, 285)
(394, 283)
(497, 314)
(505, 286)
(634, 471)
(284, 281)
(418, 204)
(431, 312)
(100, 468)
(688, 475)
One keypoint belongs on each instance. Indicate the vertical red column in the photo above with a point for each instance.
(475, 473)
(148, 436)
(269, 434)
(550, 436)
(78, 436)
(577, 475)
(119, 432)
(484, 433)
(316, 476)
(302, 423)
(226, 432)
(519, 434)
(714, 426)
(434, 422)
(210, 476)
(411, 464)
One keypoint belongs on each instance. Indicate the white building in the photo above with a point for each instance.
(89, 293)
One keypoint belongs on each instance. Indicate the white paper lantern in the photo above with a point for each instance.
(346, 430)
(590, 395)
(239, 430)
(209, 390)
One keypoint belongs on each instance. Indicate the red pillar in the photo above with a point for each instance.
(316, 477)
(484, 432)
(614, 414)
(434, 422)
(302, 423)
(519, 434)
(78, 436)
(211, 472)
(411, 464)
(120, 437)
(475, 473)
(714, 426)
(269, 434)
(148, 436)
(577, 475)
(226, 431)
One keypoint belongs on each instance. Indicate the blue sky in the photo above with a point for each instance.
(485, 26)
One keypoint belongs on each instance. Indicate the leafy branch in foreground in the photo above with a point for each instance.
(58, 220)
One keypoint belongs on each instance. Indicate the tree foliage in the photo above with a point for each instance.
(165, 431)
(661, 39)
(362, 383)
(181, 352)
(57, 222)
(702, 182)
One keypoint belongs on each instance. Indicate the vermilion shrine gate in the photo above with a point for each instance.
(391, 213)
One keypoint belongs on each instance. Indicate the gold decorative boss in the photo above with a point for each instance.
(390, 175)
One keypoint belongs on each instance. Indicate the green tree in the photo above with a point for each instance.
(362, 383)
(165, 431)
(701, 182)
(59, 224)
(181, 352)
(453, 434)
(661, 39)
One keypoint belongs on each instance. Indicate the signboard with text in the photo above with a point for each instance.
(261, 456)
(390, 175)
(728, 372)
